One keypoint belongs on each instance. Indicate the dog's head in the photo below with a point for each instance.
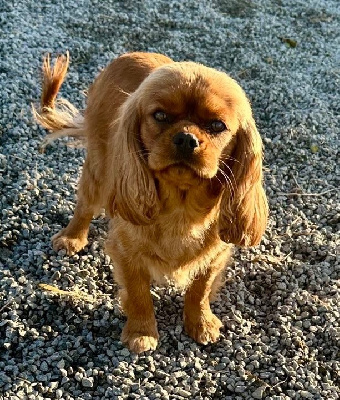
(185, 123)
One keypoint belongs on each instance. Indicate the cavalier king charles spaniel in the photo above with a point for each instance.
(174, 157)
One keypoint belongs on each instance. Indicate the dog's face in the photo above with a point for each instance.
(189, 117)
(187, 123)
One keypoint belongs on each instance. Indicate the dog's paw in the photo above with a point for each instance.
(137, 343)
(204, 329)
(61, 241)
(139, 340)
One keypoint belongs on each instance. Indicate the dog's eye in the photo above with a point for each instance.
(217, 126)
(161, 116)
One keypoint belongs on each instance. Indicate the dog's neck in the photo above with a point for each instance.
(197, 199)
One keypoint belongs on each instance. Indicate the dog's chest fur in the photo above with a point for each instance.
(183, 240)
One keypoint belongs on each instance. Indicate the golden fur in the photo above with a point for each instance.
(173, 216)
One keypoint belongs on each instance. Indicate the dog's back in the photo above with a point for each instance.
(117, 81)
(111, 88)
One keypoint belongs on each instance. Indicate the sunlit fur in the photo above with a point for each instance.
(173, 218)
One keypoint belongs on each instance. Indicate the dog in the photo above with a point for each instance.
(175, 158)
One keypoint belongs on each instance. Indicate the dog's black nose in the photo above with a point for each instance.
(186, 142)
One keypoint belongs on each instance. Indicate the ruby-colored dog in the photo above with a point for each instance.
(174, 156)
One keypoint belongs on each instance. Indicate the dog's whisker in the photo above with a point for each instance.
(232, 159)
(228, 181)
(230, 170)
(218, 180)
(229, 185)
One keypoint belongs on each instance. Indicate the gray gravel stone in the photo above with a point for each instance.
(259, 392)
(87, 382)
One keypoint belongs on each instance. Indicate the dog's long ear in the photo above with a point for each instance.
(244, 208)
(132, 191)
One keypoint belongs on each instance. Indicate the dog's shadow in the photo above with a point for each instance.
(248, 304)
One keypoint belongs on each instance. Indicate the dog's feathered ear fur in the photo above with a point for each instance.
(244, 208)
(132, 192)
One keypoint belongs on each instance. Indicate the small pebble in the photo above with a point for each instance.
(87, 382)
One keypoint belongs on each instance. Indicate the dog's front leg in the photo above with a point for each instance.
(140, 330)
(73, 238)
(199, 321)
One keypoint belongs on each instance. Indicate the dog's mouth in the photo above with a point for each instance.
(180, 175)
(193, 166)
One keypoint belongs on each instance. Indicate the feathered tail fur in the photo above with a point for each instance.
(57, 115)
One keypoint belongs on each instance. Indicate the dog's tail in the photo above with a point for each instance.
(57, 115)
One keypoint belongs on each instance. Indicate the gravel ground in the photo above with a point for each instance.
(280, 304)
